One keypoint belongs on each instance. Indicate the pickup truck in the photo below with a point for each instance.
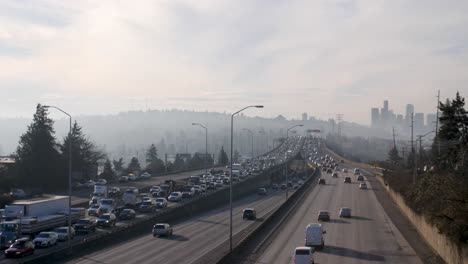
(85, 225)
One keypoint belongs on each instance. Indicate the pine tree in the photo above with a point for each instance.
(38, 155)
(134, 165)
(453, 132)
(394, 156)
(108, 172)
(236, 156)
(85, 156)
(118, 165)
(153, 163)
(179, 163)
(222, 158)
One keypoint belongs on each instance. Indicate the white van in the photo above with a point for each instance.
(314, 236)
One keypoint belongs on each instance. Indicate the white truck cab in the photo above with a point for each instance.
(314, 236)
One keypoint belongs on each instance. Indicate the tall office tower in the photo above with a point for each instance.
(419, 122)
(431, 122)
(409, 111)
(374, 117)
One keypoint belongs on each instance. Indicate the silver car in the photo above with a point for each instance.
(62, 233)
(345, 212)
(162, 229)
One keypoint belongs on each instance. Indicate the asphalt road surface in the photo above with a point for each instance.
(192, 238)
(368, 236)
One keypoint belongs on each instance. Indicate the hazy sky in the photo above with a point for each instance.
(319, 57)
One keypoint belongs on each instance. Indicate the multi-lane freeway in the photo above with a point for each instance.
(367, 237)
(192, 238)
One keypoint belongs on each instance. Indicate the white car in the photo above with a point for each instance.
(155, 189)
(89, 184)
(145, 176)
(303, 255)
(175, 197)
(62, 233)
(162, 229)
(101, 182)
(93, 209)
(45, 239)
(362, 186)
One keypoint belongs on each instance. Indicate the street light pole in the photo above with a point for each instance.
(230, 173)
(69, 172)
(206, 145)
(252, 141)
(287, 158)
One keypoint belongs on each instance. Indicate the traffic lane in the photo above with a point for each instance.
(207, 231)
(292, 233)
(85, 192)
(367, 237)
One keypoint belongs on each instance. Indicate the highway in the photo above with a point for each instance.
(368, 237)
(192, 238)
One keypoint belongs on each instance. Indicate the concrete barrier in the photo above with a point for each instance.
(448, 250)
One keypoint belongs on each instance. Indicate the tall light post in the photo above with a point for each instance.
(252, 141)
(287, 158)
(69, 172)
(230, 173)
(206, 145)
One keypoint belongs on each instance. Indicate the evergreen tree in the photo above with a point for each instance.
(37, 155)
(453, 132)
(108, 172)
(134, 165)
(179, 163)
(222, 158)
(394, 156)
(118, 165)
(153, 163)
(151, 154)
(85, 156)
(236, 156)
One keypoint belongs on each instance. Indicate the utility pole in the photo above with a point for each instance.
(403, 152)
(437, 124)
(412, 149)
(394, 142)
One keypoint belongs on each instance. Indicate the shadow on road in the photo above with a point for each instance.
(211, 222)
(175, 238)
(351, 253)
(338, 221)
(360, 218)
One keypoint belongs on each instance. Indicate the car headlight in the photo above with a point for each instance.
(17, 252)
(107, 221)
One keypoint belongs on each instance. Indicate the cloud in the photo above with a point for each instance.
(320, 57)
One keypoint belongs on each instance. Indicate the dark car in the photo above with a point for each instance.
(347, 179)
(324, 216)
(249, 214)
(329, 171)
(106, 220)
(283, 186)
(321, 181)
(262, 191)
(20, 248)
(127, 214)
(85, 225)
(274, 187)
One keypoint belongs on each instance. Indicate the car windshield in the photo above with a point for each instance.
(95, 206)
(174, 194)
(83, 222)
(126, 211)
(146, 203)
(19, 245)
(61, 230)
(160, 200)
(106, 202)
(105, 217)
(302, 252)
(159, 227)
(43, 235)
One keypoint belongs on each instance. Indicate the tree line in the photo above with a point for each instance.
(42, 161)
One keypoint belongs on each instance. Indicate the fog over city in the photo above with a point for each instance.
(318, 57)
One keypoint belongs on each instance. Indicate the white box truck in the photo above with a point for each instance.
(314, 236)
(36, 207)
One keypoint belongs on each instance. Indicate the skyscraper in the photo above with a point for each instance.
(431, 121)
(418, 122)
(374, 117)
(409, 112)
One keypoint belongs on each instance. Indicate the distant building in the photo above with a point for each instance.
(409, 112)
(399, 120)
(431, 120)
(304, 117)
(418, 121)
(375, 116)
